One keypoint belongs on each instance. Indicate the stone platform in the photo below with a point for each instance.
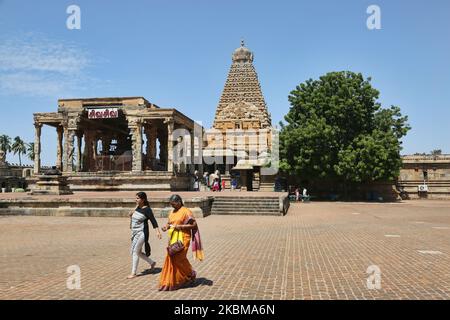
(119, 204)
(124, 181)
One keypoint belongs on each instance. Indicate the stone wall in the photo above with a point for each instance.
(100, 207)
(433, 171)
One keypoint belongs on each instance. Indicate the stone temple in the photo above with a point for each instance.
(244, 124)
(100, 144)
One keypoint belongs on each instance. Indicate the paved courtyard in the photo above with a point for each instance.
(317, 251)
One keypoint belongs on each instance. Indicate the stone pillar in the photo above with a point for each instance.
(70, 129)
(59, 148)
(79, 158)
(37, 147)
(170, 127)
(86, 153)
(151, 134)
(69, 149)
(136, 138)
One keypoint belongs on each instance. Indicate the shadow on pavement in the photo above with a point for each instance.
(156, 270)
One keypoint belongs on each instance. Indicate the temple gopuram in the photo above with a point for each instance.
(115, 144)
(242, 132)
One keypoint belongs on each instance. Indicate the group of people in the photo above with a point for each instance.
(182, 229)
(301, 196)
(213, 182)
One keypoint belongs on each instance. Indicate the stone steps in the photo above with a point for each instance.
(242, 205)
(266, 187)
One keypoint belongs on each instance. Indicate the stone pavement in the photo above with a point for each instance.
(317, 251)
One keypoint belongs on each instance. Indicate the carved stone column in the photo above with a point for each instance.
(85, 165)
(69, 149)
(136, 138)
(37, 148)
(59, 148)
(79, 158)
(88, 157)
(170, 127)
(69, 133)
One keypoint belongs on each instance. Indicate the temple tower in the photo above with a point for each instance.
(242, 105)
(244, 144)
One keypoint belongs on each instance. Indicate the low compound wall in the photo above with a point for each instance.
(110, 207)
(101, 207)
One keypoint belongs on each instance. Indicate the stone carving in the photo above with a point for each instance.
(242, 96)
(240, 110)
(134, 121)
(53, 172)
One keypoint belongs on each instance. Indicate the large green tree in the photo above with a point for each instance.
(337, 131)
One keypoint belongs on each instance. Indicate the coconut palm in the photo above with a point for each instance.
(18, 147)
(5, 143)
(30, 151)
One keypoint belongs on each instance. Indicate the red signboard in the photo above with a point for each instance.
(104, 113)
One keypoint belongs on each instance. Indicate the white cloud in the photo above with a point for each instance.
(35, 65)
(29, 84)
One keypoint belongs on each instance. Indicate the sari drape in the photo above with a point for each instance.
(177, 270)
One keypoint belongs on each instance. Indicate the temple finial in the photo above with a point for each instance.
(242, 42)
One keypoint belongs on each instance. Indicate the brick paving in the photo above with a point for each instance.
(317, 251)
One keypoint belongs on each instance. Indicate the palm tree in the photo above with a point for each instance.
(5, 143)
(30, 151)
(18, 147)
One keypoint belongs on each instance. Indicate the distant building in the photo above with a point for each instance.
(425, 176)
(11, 176)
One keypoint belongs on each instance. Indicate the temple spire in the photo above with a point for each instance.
(242, 97)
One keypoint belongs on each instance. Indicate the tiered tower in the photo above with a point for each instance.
(242, 104)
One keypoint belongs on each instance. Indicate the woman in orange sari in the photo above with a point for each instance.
(177, 271)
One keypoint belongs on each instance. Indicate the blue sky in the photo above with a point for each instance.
(177, 54)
